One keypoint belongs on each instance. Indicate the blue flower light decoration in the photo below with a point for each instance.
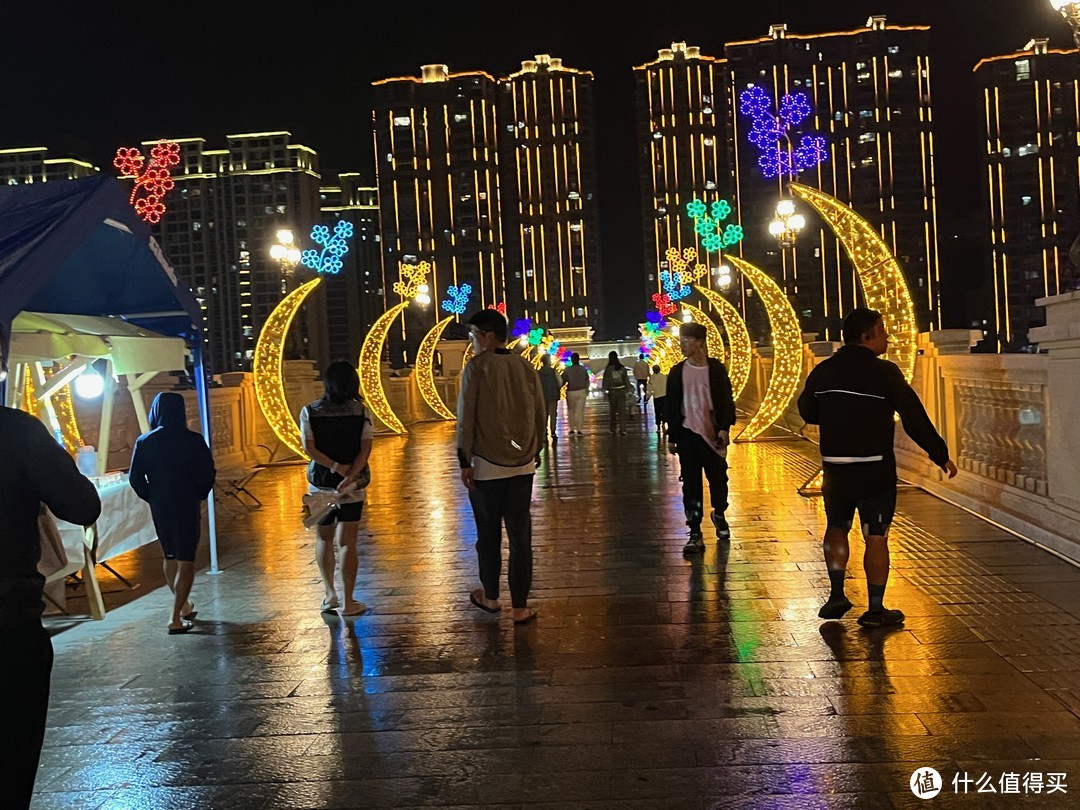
(522, 327)
(674, 286)
(772, 133)
(329, 259)
(458, 300)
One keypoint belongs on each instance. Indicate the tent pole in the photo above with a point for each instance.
(203, 394)
(137, 403)
(105, 432)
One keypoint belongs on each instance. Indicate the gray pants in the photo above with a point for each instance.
(617, 400)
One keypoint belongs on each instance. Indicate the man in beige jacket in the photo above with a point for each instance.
(500, 435)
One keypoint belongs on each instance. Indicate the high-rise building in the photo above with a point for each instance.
(684, 153)
(548, 137)
(33, 165)
(356, 296)
(1032, 180)
(221, 220)
(437, 169)
(870, 93)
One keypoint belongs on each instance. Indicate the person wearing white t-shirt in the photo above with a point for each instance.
(700, 411)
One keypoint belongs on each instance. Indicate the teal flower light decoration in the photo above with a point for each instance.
(709, 225)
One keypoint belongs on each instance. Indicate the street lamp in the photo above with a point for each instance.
(723, 273)
(1071, 12)
(787, 224)
(286, 254)
(423, 295)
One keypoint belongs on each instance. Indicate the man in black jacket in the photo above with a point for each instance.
(853, 396)
(700, 410)
(36, 471)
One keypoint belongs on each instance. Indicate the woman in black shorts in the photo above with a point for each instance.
(173, 471)
(337, 434)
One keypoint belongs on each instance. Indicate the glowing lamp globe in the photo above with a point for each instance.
(785, 208)
(285, 237)
(797, 222)
(278, 252)
(1060, 4)
(776, 227)
(423, 299)
(725, 282)
(687, 317)
(89, 385)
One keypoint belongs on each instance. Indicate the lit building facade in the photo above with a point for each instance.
(437, 170)
(32, 164)
(1032, 180)
(548, 136)
(356, 296)
(221, 220)
(682, 102)
(870, 91)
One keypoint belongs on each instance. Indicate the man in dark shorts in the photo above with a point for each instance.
(853, 397)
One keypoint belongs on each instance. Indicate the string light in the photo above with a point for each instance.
(413, 278)
(371, 384)
(663, 304)
(709, 225)
(425, 364)
(151, 186)
(458, 301)
(883, 284)
(268, 372)
(772, 133)
(787, 349)
(329, 260)
(741, 348)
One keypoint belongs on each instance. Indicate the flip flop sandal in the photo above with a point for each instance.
(185, 626)
(530, 618)
(474, 597)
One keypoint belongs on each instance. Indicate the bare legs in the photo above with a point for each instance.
(341, 535)
(876, 560)
(836, 549)
(179, 576)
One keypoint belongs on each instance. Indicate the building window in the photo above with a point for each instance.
(1027, 149)
(402, 120)
(1023, 70)
(1026, 199)
(893, 50)
(867, 137)
(461, 118)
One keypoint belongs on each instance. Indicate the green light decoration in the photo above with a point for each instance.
(709, 225)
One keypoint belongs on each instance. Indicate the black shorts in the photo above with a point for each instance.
(346, 513)
(851, 487)
(178, 527)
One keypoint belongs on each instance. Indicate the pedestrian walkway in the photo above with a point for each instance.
(649, 681)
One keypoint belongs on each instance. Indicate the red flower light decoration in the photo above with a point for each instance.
(500, 308)
(152, 184)
(663, 304)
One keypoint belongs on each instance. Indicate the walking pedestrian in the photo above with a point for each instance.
(617, 385)
(700, 411)
(552, 386)
(641, 376)
(36, 473)
(500, 435)
(658, 391)
(337, 435)
(853, 396)
(577, 380)
(172, 470)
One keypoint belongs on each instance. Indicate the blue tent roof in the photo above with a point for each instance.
(77, 247)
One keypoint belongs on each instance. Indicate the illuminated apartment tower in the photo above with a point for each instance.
(550, 194)
(437, 169)
(1031, 173)
(870, 90)
(682, 113)
(31, 165)
(355, 297)
(221, 220)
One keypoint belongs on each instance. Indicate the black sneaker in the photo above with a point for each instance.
(881, 618)
(696, 543)
(835, 608)
(723, 531)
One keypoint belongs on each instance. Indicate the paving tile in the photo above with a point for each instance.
(649, 681)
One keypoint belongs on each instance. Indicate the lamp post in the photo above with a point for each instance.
(787, 224)
(287, 255)
(1071, 12)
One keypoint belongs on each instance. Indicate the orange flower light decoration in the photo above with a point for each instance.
(151, 184)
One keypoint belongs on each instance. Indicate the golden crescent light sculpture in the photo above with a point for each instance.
(469, 354)
(884, 286)
(787, 349)
(670, 353)
(267, 369)
(738, 336)
(425, 370)
(713, 342)
(371, 385)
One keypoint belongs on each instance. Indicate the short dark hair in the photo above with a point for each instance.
(859, 322)
(656, 369)
(490, 320)
(692, 330)
(641, 356)
(341, 383)
(575, 358)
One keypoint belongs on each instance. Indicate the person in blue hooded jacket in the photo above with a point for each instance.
(173, 471)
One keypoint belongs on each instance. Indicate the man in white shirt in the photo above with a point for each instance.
(577, 380)
(700, 411)
(500, 435)
(641, 375)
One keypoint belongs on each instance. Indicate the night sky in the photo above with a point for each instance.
(83, 85)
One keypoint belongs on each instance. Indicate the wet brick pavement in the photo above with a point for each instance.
(649, 681)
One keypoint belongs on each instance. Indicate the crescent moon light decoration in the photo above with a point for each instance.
(371, 385)
(884, 286)
(787, 349)
(738, 337)
(469, 353)
(713, 342)
(425, 370)
(267, 371)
